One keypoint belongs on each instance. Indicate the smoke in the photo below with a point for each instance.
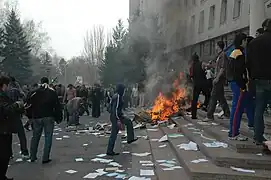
(164, 61)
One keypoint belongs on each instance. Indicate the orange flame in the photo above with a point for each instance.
(164, 106)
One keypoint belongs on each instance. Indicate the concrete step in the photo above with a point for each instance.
(164, 153)
(208, 170)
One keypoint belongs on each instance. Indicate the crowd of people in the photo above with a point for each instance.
(246, 69)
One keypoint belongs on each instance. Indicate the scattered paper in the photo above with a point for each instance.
(199, 161)
(187, 125)
(148, 165)
(85, 145)
(192, 128)
(55, 134)
(167, 165)
(204, 137)
(138, 178)
(152, 129)
(259, 154)
(215, 124)
(115, 164)
(154, 140)
(216, 144)
(121, 176)
(91, 176)
(71, 171)
(79, 159)
(101, 160)
(172, 168)
(112, 169)
(101, 172)
(203, 123)
(145, 162)
(243, 170)
(112, 174)
(191, 146)
(19, 160)
(120, 171)
(66, 137)
(163, 139)
(58, 139)
(162, 146)
(146, 172)
(161, 161)
(175, 135)
(171, 126)
(101, 155)
(123, 142)
(224, 130)
(126, 152)
(141, 154)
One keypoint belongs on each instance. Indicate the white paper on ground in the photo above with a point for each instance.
(148, 165)
(66, 137)
(191, 146)
(154, 140)
(85, 145)
(101, 160)
(91, 176)
(175, 135)
(216, 144)
(259, 154)
(123, 142)
(243, 170)
(167, 165)
(162, 146)
(101, 155)
(112, 169)
(126, 152)
(152, 129)
(172, 168)
(163, 139)
(171, 126)
(112, 174)
(120, 171)
(121, 176)
(145, 162)
(101, 172)
(199, 160)
(204, 137)
(55, 134)
(147, 172)
(171, 162)
(224, 130)
(19, 160)
(161, 161)
(79, 159)
(141, 154)
(138, 178)
(58, 139)
(115, 164)
(71, 171)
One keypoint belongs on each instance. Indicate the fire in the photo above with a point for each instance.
(198, 105)
(164, 106)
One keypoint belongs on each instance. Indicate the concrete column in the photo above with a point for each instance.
(257, 15)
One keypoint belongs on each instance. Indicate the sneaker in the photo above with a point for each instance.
(261, 142)
(238, 138)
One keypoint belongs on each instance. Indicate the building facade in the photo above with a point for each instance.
(205, 22)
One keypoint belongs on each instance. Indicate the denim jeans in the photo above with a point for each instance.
(22, 138)
(115, 130)
(46, 124)
(74, 118)
(263, 96)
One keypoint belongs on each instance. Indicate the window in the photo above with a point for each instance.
(212, 17)
(201, 22)
(223, 12)
(212, 47)
(237, 8)
(193, 21)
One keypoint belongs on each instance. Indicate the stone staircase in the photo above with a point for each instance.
(221, 160)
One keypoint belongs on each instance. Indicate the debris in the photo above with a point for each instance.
(191, 146)
(71, 171)
(79, 159)
(101, 160)
(148, 165)
(112, 169)
(115, 164)
(224, 130)
(121, 176)
(58, 139)
(101, 172)
(146, 172)
(171, 126)
(120, 171)
(141, 154)
(167, 165)
(85, 145)
(19, 160)
(126, 152)
(154, 140)
(154, 130)
(204, 137)
(66, 137)
(91, 176)
(101, 155)
(162, 146)
(138, 178)
(199, 160)
(259, 154)
(175, 135)
(172, 168)
(145, 162)
(216, 144)
(112, 174)
(163, 139)
(140, 126)
(243, 170)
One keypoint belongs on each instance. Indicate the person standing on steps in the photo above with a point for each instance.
(117, 118)
(258, 64)
(45, 110)
(217, 93)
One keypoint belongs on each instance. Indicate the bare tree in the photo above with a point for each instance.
(94, 46)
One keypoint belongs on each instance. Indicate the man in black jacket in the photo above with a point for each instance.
(45, 109)
(9, 110)
(258, 63)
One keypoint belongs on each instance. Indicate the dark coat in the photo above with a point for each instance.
(9, 111)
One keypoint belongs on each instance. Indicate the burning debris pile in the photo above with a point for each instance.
(166, 105)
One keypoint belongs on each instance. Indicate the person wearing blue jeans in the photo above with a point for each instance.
(116, 117)
(237, 76)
